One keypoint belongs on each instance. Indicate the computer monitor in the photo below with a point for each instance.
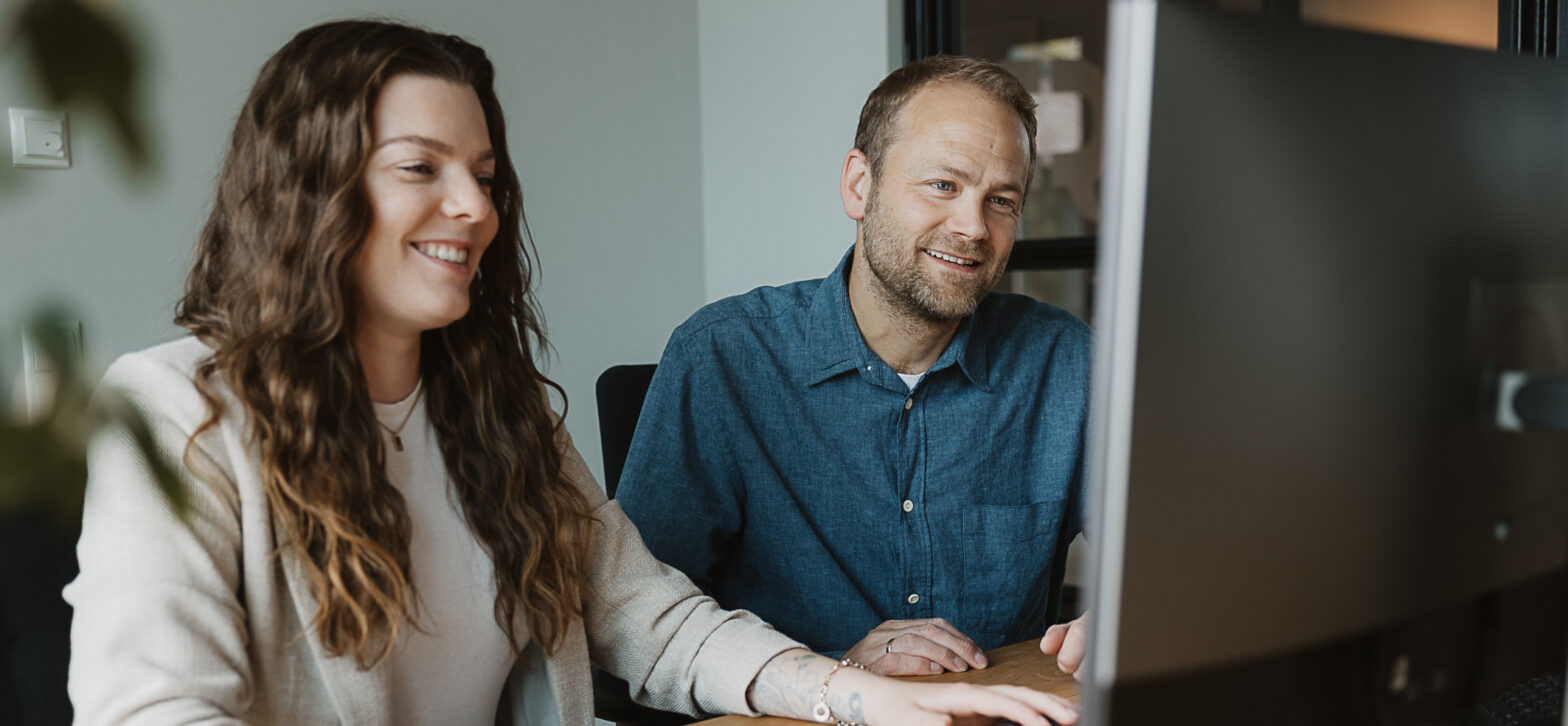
(1323, 253)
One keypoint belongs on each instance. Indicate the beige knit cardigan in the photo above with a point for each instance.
(201, 622)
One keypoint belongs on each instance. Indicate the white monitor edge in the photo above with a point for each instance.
(1129, 91)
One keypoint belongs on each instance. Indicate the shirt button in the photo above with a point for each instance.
(908, 402)
(909, 506)
(913, 598)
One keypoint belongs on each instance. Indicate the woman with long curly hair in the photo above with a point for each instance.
(388, 523)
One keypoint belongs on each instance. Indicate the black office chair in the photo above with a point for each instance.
(620, 392)
(35, 623)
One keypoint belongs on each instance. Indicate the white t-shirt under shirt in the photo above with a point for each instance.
(452, 669)
(911, 379)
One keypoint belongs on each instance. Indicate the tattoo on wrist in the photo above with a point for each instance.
(855, 711)
(786, 686)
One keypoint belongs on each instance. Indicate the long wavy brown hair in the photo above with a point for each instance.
(272, 293)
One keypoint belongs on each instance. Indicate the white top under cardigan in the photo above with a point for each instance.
(451, 669)
(200, 621)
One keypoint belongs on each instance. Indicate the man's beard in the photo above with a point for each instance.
(902, 280)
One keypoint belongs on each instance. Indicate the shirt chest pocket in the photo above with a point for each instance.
(1010, 550)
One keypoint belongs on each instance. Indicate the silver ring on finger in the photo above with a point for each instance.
(888, 646)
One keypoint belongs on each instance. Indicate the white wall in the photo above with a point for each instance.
(782, 86)
(601, 99)
(671, 151)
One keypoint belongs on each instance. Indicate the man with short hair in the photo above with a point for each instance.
(884, 463)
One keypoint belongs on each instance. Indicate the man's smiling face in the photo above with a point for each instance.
(943, 208)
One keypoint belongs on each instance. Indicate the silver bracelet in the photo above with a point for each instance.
(821, 712)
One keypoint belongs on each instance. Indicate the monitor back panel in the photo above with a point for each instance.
(1344, 237)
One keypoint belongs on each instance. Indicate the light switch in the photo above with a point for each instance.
(40, 138)
(41, 375)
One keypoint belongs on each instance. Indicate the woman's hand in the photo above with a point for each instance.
(889, 702)
(790, 685)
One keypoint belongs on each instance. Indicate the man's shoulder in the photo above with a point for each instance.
(1013, 317)
(778, 306)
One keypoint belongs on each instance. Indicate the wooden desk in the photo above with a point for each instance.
(1019, 664)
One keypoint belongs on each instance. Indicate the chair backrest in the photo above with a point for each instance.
(39, 558)
(619, 393)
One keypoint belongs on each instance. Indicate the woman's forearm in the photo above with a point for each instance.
(791, 685)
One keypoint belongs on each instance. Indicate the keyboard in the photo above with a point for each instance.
(1536, 702)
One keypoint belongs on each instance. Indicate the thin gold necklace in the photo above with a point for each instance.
(397, 433)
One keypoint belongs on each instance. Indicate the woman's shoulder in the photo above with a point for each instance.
(162, 377)
(177, 358)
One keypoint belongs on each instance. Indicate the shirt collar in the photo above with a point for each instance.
(836, 345)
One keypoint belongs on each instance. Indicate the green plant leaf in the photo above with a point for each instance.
(43, 462)
(40, 474)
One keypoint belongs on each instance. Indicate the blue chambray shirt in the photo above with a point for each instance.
(789, 471)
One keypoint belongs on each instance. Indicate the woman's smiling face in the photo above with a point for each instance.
(428, 182)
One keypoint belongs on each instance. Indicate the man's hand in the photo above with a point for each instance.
(1066, 642)
(916, 648)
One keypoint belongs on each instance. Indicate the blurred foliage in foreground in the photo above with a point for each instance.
(43, 459)
(82, 56)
